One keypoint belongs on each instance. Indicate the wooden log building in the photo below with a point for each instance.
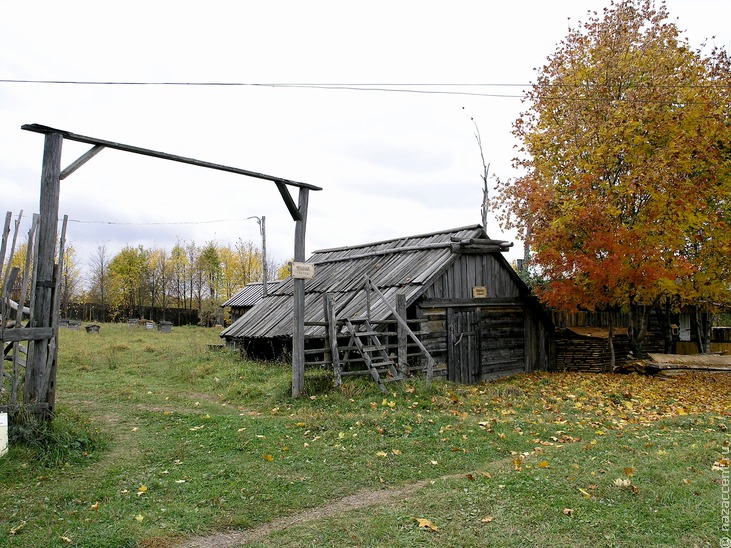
(396, 307)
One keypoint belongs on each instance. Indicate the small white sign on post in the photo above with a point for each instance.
(303, 271)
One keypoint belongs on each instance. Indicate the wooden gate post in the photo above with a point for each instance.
(298, 334)
(37, 374)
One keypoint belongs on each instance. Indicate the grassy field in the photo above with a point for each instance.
(160, 442)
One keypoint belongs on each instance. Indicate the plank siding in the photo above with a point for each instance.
(502, 330)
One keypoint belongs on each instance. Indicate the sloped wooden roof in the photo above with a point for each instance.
(404, 265)
(250, 294)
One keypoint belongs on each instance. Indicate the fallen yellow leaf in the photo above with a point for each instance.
(268, 457)
(426, 524)
(585, 493)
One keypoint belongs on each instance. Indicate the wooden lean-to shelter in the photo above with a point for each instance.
(446, 302)
(247, 298)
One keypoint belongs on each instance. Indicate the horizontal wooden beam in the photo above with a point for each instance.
(379, 252)
(481, 303)
(26, 334)
(37, 128)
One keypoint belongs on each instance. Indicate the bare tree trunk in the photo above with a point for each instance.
(612, 358)
(637, 329)
(703, 321)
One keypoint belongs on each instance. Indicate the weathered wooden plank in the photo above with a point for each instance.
(50, 382)
(37, 128)
(4, 241)
(88, 155)
(476, 249)
(506, 303)
(26, 334)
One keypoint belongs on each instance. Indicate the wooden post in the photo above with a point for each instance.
(264, 272)
(36, 374)
(298, 335)
(332, 337)
(50, 384)
(402, 336)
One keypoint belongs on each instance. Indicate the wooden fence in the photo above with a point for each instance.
(26, 381)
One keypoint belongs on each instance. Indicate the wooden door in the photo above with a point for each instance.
(463, 345)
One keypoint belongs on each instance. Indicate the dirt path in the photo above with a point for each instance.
(352, 502)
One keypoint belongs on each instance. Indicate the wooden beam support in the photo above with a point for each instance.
(298, 335)
(289, 202)
(88, 155)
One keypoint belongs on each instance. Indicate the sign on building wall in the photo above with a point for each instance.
(479, 292)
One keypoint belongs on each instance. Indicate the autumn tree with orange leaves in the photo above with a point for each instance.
(625, 192)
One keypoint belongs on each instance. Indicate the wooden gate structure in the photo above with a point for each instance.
(30, 351)
(41, 331)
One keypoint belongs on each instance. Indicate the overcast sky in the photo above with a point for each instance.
(391, 163)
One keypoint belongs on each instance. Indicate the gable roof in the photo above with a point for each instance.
(403, 265)
(250, 294)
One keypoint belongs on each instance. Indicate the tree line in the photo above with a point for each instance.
(138, 280)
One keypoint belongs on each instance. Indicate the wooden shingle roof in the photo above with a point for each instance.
(250, 294)
(404, 265)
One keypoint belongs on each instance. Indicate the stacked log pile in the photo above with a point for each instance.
(587, 350)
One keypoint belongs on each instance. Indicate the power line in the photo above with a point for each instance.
(267, 84)
(157, 222)
(402, 87)
(392, 88)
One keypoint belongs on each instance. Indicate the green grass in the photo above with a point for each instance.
(158, 440)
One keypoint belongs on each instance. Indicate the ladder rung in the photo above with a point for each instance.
(373, 348)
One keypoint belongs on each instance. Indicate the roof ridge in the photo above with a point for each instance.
(370, 244)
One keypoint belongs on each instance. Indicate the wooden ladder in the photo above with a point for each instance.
(375, 354)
